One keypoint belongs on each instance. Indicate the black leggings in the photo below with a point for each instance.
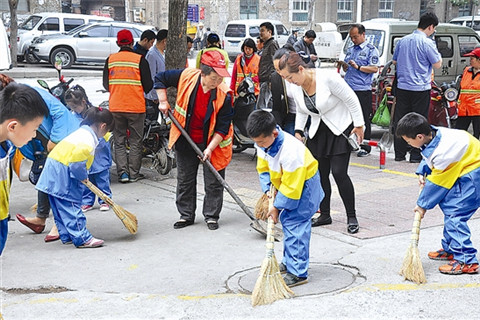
(338, 165)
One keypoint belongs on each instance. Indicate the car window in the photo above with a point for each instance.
(458, 23)
(444, 46)
(235, 31)
(467, 44)
(254, 31)
(30, 23)
(98, 32)
(375, 37)
(51, 24)
(476, 24)
(77, 29)
(135, 32)
(69, 23)
(281, 30)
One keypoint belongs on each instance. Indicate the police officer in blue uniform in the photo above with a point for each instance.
(360, 64)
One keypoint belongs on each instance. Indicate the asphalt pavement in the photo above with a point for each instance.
(195, 273)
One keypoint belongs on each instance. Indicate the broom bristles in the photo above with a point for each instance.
(412, 269)
(128, 219)
(261, 208)
(270, 285)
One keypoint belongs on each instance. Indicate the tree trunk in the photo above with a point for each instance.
(13, 4)
(176, 51)
(311, 9)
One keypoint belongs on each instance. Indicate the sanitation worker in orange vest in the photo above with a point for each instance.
(246, 65)
(204, 109)
(469, 99)
(127, 76)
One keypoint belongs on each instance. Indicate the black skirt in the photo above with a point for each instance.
(325, 144)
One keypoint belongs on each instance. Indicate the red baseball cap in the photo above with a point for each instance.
(216, 60)
(474, 53)
(124, 37)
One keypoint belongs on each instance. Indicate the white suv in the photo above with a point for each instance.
(91, 43)
(238, 30)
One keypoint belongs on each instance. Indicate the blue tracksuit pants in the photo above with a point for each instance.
(70, 221)
(102, 181)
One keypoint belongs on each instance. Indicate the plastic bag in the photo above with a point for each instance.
(382, 115)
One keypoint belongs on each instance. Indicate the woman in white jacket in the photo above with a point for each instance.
(335, 114)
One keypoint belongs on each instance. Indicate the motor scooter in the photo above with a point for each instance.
(244, 105)
(443, 110)
(59, 89)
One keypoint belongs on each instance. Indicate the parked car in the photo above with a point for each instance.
(237, 31)
(453, 42)
(48, 23)
(466, 21)
(91, 43)
(5, 58)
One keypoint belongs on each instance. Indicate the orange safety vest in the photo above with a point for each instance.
(251, 70)
(125, 83)
(222, 154)
(469, 99)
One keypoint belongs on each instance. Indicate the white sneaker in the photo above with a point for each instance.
(92, 243)
(104, 207)
(86, 207)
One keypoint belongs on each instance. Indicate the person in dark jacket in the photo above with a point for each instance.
(147, 39)
(266, 68)
(293, 37)
(306, 46)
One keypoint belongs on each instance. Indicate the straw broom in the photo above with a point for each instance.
(128, 219)
(412, 268)
(270, 285)
(261, 208)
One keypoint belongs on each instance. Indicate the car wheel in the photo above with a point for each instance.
(30, 58)
(65, 55)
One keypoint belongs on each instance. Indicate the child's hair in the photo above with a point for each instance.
(412, 124)
(21, 102)
(76, 94)
(98, 116)
(260, 123)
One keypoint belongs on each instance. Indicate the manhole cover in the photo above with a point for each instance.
(322, 279)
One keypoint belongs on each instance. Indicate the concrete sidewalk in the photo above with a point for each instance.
(195, 273)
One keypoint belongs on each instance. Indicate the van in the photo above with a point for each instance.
(328, 42)
(48, 23)
(466, 21)
(453, 42)
(5, 58)
(237, 31)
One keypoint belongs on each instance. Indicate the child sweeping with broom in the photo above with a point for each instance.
(451, 164)
(99, 174)
(287, 164)
(66, 167)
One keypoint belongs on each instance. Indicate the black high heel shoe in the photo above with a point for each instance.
(352, 225)
(322, 220)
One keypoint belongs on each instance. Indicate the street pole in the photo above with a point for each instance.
(359, 11)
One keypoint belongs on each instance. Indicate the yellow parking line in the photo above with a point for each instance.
(399, 173)
(412, 287)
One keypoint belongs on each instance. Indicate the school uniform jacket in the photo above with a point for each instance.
(6, 152)
(451, 160)
(289, 165)
(67, 164)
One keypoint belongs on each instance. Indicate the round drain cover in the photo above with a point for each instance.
(322, 279)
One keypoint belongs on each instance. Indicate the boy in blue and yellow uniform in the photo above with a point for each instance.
(451, 165)
(21, 112)
(287, 164)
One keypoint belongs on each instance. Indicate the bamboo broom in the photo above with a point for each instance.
(128, 219)
(412, 268)
(261, 208)
(270, 285)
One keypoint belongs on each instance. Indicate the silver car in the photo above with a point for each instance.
(91, 43)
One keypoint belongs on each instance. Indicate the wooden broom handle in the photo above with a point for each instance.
(270, 244)
(416, 228)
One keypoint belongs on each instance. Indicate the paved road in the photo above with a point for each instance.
(195, 273)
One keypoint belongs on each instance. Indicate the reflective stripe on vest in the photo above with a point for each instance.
(469, 99)
(251, 69)
(222, 154)
(125, 83)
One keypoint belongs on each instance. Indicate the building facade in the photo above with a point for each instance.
(216, 13)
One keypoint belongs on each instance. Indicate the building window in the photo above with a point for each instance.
(345, 10)
(248, 9)
(385, 9)
(299, 10)
(465, 9)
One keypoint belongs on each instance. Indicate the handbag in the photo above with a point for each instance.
(37, 165)
(382, 115)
